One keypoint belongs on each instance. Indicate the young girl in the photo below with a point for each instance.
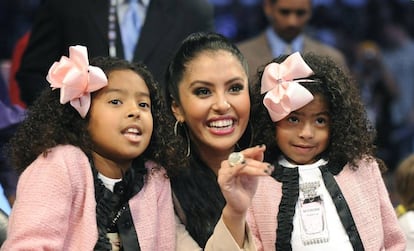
(85, 154)
(208, 92)
(404, 184)
(329, 191)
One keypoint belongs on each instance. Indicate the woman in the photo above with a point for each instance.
(208, 92)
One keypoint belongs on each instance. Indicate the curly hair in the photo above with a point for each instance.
(351, 133)
(50, 123)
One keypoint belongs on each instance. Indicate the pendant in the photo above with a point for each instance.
(313, 223)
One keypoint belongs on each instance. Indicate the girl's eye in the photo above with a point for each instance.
(115, 102)
(321, 121)
(293, 119)
(236, 88)
(144, 105)
(202, 92)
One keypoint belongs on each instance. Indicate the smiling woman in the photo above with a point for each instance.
(208, 92)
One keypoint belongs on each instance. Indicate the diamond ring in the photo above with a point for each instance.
(236, 158)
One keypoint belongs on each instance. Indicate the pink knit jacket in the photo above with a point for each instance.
(365, 194)
(55, 206)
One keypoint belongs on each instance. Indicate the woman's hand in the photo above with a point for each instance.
(238, 184)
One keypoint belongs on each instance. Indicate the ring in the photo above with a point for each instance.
(236, 158)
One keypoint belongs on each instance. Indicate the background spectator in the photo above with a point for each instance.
(160, 26)
(378, 90)
(404, 180)
(285, 34)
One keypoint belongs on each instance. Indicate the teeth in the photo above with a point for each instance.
(221, 123)
(133, 130)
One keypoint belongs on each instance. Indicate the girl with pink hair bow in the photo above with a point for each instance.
(326, 190)
(92, 154)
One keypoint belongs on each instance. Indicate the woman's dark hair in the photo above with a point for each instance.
(49, 123)
(351, 133)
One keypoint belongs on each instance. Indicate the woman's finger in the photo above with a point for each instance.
(256, 152)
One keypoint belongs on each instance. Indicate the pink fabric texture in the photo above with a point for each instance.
(76, 79)
(367, 198)
(283, 93)
(55, 207)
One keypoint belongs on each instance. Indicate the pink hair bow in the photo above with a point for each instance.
(76, 78)
(284, 94)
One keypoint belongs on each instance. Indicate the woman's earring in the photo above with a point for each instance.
(176, 127)
(187, 136)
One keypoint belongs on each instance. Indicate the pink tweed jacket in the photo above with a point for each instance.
(365, 194)
(55, 206)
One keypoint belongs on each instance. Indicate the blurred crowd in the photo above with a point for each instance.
(375, 36)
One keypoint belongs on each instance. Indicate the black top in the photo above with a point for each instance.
(112, 209)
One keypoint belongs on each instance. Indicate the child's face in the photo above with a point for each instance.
(215, 101)
(120, 118)
(304, 134)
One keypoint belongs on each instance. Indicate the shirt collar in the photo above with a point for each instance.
(284, 162)
(277, 44)
(144, 3)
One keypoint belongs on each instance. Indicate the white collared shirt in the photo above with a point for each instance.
(278, 45)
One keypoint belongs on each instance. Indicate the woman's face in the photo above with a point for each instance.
(214, 101)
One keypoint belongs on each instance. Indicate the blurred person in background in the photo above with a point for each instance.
(10, 117)
(158, 28)
(398, 51)
(378, 90)
(285, 34)
(404, 180)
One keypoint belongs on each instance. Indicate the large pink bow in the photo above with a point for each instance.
(76, 78)
(284, 94)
